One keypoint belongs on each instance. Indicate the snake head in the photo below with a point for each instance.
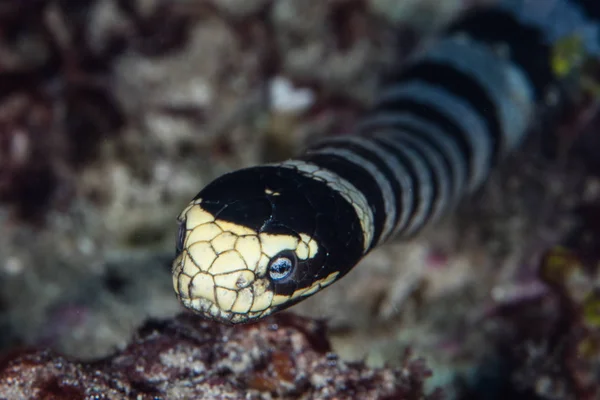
(258, 240)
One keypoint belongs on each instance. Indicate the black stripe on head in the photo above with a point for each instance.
(432, 116)
(462, 86)
(278, 200)
(361, 179)
(238, 197)
(376, 160)
(527, 45)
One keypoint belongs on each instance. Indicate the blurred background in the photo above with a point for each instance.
(115, 113)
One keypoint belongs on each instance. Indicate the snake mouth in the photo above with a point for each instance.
(211, 311)
(199, 293)
(208, 310)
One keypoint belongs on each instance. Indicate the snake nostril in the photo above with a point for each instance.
(180, 237)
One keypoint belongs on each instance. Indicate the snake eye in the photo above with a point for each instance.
(282, 265)
(180, 237)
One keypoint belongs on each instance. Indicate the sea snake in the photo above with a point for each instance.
(260, 239)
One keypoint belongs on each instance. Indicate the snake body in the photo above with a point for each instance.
(260, 239)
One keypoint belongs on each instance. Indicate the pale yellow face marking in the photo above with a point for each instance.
(188, 267)
(263, 264)
(262, 302)
(243, 302)
(184, 285)
(235, 280)
(201, 254)
(279, 299)
(249, 248)
(302, 251)
(330, 278)
(224, 274)
(273, 244)
(176, 277)
(228, 261)
(303, 292)
(271, 192)
(226, 298)
(299, 292)
(309, 291)
(313, 247)
(260, 286)
(196, 216)
(203, 233)
(203, 286)
(225, 241)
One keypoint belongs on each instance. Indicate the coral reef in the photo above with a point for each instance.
(548, 341)
(185, 358)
